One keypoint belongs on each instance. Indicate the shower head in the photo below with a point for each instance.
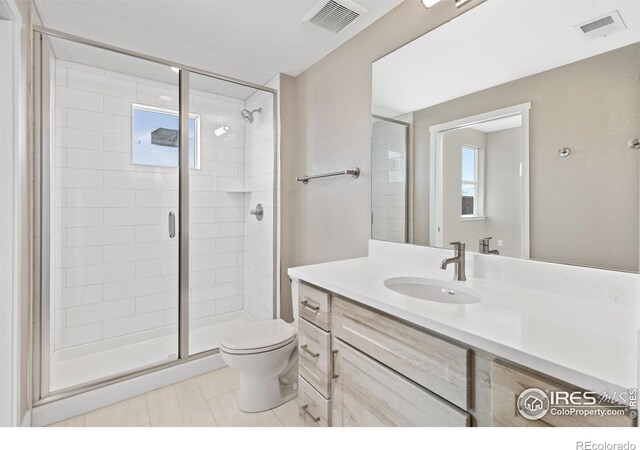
(248, 115)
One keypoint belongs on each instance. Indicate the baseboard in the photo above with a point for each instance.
(66, 408)
(26, 420)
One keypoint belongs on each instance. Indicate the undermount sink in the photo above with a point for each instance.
(433, 290)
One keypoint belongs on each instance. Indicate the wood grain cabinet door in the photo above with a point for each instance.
(508, 382)
(367, 393)
(438, 365)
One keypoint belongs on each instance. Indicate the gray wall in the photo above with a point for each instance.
(584, 209)
(333, 119)
(287, 127)
(503, 199)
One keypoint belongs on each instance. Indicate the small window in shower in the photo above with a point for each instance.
(156, 137)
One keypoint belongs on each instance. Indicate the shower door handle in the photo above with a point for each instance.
(172, 224)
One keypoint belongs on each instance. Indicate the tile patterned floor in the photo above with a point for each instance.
(206, 401)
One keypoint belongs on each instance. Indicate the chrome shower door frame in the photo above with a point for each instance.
(41, 95)
(407, 166)
(183, 208)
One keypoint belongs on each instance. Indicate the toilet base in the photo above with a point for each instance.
(263, 395)
(267, 379)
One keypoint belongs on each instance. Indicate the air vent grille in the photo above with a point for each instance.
(588, 28)
(334, 16)
(601, 26)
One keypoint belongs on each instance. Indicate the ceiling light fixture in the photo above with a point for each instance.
(175, 69)
(429, 3)
(222, 130)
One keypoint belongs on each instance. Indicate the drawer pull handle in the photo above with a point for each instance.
(306, 350)
(334, 375)
(305, 408)
(305, 303)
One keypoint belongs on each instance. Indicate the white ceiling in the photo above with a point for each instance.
(125, 64)
(496, 42)
(251, 40)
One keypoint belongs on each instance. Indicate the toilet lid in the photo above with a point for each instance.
(258, 335)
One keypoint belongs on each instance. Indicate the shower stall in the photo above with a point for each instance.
(391, 179)
(147, 174)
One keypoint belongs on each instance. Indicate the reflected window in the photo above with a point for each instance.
(156, 137)
(471, 182)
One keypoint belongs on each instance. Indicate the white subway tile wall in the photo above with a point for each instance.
(259, 235)
(115, 268)
(388, 181)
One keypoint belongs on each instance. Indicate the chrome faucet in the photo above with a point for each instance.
(458, 260)
(484, 247)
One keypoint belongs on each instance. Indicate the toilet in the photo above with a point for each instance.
(265, 355)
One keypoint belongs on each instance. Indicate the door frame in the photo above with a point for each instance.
(436, 191)
(11, 145)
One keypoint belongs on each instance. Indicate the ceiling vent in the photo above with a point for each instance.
(334, 15)
(601, 26)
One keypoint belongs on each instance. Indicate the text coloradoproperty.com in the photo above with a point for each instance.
(570, 411)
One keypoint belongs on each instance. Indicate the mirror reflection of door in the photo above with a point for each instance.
(482, 195)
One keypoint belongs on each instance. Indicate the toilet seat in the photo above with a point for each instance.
(258, 337)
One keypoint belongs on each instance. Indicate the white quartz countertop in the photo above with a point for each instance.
(592, 344)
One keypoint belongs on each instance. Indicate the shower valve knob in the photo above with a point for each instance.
(258, 212)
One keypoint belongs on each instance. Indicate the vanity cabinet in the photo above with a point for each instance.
(368, 393)
(313, 407)
(314, 350)
(313, 306)
(361, 367)
(438, 365)
(507, 382)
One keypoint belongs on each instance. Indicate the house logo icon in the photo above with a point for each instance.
(533, 404)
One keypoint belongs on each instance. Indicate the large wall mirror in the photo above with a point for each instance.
(514, 128)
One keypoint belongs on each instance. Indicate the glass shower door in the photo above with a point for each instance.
(231, 245)
(157, 212)
(113, 204)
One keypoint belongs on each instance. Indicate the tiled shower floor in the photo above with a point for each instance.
(95, 365)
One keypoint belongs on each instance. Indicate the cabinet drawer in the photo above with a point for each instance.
(508, 382)
(313, 408)
(438, 365)
(314, 361)
(367, 393)
(313, 305)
